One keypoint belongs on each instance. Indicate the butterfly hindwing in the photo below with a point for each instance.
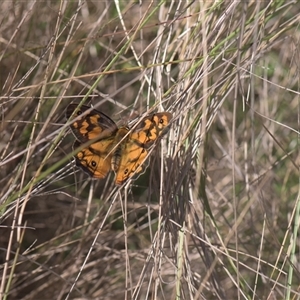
(96, 158)
(132, 162)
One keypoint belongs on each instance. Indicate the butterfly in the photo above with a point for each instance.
(122, 150)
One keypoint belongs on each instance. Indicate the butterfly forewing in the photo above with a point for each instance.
(150, 128)
(90, 125)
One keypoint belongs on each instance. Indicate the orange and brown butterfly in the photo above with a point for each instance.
(111, 148)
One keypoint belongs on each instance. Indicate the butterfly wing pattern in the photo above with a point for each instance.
(95, 159)
(109, 147)
(136, 148)
(90, 123)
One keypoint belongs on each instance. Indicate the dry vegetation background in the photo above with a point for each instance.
(216, 215)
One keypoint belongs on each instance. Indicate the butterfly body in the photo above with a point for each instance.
(121, 139)
(122, 150)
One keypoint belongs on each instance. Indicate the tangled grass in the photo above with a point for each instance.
(216, 214)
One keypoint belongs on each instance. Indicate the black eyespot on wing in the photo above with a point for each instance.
(93, 164)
